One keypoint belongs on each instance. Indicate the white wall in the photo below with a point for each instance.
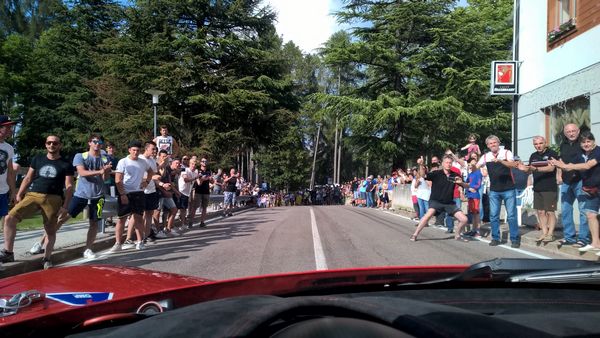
(540, 67)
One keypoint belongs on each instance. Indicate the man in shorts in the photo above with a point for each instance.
(165, 188)
(93, 168)
(48, 176)
(545, 189)
(205, 178)
(132, 175)
(185, 182)
(7, 172)
(230, 190)
(442, 196)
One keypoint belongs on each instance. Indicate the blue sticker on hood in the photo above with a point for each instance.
(80, 298)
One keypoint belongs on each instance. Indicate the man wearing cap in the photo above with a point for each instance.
(7, 173)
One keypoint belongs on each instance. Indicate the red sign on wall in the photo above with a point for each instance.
(504, 79)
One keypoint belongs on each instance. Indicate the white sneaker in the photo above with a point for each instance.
(175, 233)
(47, 264)
(128, 244)
(588, 247)
(161, 234)
(36, 249)
(140, 245)
(116, 248)
(89, 254)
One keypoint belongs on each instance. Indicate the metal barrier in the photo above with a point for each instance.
(110, 207)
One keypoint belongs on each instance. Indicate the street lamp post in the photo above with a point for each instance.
(155, 95)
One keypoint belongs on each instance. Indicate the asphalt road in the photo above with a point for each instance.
(266, 241)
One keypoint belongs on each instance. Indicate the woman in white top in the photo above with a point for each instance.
(422, 191)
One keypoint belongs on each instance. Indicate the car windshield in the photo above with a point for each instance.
(232, 139)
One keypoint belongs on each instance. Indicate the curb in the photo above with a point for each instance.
(552, 247)
(68, 253)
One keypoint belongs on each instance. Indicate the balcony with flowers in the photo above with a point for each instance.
(563, 30)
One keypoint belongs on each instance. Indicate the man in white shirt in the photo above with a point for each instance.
(185, 183)
(150, 194)
(166, 142)
(7, 173)
(131, 182)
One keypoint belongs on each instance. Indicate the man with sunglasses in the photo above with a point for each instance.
(48, 176)
(202, 192)
(93, 168)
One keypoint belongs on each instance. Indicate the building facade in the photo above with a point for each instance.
(558, 43)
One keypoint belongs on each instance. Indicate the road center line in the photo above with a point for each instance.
(319, 253)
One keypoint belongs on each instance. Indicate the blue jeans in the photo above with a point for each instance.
(510, 202)
(481, 209)
(369, 199)
(450, 219)
(568, 194)
(423, 207)
(519, 199)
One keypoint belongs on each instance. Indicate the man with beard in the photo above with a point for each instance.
(48, 176)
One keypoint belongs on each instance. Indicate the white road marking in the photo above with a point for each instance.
(521, 251)
(319, 253)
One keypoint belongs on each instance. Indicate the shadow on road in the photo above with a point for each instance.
(191, 242)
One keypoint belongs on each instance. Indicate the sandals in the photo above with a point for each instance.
(549, 238)
(413, 238)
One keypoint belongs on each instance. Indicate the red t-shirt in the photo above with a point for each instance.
(456, 187)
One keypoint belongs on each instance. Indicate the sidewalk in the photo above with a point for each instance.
(529, 236)
(70, 244)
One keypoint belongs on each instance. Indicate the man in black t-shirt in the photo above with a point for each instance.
(571, 190)
(46, 179)
(230, 190)
(202, 190)
(545, 192)
(442, 196)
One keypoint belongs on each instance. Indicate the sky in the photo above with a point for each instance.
(307, 22)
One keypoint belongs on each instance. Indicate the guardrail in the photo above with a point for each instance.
(110, 207)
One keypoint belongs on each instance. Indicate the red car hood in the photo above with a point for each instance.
(74, 295)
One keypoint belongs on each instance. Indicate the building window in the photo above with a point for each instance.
(575, 110)
(566, 11)
(561, 19)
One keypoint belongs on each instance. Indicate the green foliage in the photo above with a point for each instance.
(411, 77)
(416, 76)
(284, 164)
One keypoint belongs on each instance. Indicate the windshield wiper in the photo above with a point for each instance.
(504, 269)
(585, 275)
